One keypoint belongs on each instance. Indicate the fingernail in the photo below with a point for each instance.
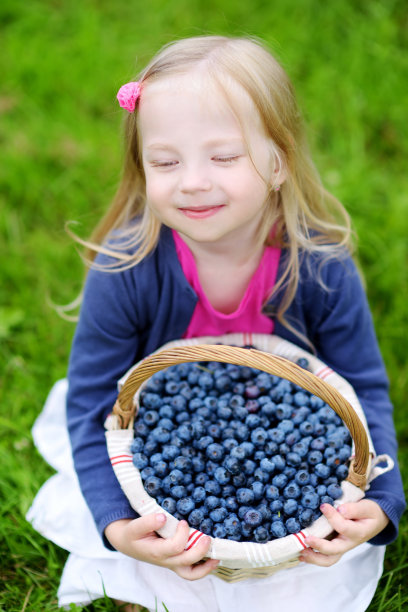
(161, 517)
(323, 507)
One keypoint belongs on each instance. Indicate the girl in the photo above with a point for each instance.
(220, 224)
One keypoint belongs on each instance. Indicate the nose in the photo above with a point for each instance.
(193, 178)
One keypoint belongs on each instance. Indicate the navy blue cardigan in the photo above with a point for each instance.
(127, 315)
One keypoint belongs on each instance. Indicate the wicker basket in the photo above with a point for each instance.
(241, 560)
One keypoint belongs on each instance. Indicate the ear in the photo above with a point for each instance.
(279, 172)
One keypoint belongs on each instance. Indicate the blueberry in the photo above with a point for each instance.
(271, 492)
(322, 470)
(212, 487)
(261, 475)
(342, 472)
(259, 436)
(201, 478)
(291, 491)
(206, 526)
(293, 459)
(140, 461)
(199, 494)
(185, 432)
(183, 463)
(231, 504)
(302, 477)
(215, 451)
(232, 464)
(278, 529)
(176, 476)
(248, 467)
(280, 481)
(334, 490)
(212, 501)
(314, 457)
(306, 517)
(160, 434)
(169, 504)
(239, 453)
(290, 507)
(279, 462)
(195, 517)
(178, 491)
(185, 505)
(302, 362)
(257, 488)
(197, 464)
(239, 480)
(253, 421)
(204, 442)
(310, 500)
(286, 425)
(253, 517)
(276, 435)
(276, 505)
(161, 468)
(137, 445)
(318, 444)
(214, 430)
(232, 524)
(283, 411)
(147, 472)
(141, 429)
(292, 525)
(326, 499)
(222, 476)
(218, 515)
(245, 496)
(219, 530)
(261, 534)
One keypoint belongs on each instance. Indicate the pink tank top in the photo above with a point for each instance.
(248, 317)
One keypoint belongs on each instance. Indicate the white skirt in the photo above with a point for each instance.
(60, 514)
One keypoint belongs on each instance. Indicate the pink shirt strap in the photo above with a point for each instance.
(248, 317)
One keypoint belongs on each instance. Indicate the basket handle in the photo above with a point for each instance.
(124, 407)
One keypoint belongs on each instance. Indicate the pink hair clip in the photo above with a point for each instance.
(128, 95)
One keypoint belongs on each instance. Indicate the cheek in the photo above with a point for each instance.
(156, 190)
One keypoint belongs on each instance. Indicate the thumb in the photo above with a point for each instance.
(144, 525)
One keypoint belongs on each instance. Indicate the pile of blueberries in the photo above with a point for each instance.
(239, 453)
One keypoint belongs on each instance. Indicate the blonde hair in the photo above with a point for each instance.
(305, 216)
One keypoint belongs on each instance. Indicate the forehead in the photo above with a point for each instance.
(188, 101)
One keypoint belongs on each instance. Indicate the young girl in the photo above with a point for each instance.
(220, 225)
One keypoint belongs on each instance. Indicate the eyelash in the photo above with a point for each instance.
(226, 159)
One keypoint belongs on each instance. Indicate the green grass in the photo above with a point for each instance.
(60, 152)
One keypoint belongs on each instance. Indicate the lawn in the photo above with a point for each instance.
(61, 64)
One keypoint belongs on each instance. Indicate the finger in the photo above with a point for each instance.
(142, 526)
(196, 553)
(364, 509)
(337, 546)
(316, 558)
(339, 523)
(195, 572)
(170, 547)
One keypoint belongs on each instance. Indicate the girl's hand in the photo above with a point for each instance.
(137, 538)
(354, 523)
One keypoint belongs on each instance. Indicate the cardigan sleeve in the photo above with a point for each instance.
(105, 345)
(344, 336)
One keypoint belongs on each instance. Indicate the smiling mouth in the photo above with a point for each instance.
(201, 212)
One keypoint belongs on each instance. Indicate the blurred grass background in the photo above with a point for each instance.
(61, 64)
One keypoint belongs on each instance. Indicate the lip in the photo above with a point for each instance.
(201, 212)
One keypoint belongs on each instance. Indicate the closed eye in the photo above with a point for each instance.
(226, 158)
(159, 163)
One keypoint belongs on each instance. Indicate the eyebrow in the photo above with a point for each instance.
(210, 143)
